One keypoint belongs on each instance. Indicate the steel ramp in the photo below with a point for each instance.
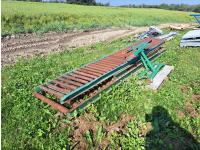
(74, 89)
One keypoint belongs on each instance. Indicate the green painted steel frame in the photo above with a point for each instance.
(94, 82)
(91, 83)
(121, 76)
(150, 69)
(197, 17)
(38, 89)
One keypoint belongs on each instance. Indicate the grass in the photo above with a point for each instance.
(28, 17)
(29, 124)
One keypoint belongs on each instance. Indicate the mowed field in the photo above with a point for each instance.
(28, 17)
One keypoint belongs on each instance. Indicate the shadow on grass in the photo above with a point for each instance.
(167, 134)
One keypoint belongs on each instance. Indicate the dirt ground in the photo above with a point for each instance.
(29, 45)
(89, 123)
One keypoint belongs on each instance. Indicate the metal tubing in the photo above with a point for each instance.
(96, 68)
(51, 103)
(57, 88)
(64, 85)
(71, 82)
(93, 70)
(102, 66)
(115, 60)
(90, 72)
(111, 61)
(99, 67)
(85, 74)
(108, 64)
(81, 77)
(75, 79)
(50, 91)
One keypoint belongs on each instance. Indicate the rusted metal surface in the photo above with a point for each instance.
(90, 79)
(53, 104)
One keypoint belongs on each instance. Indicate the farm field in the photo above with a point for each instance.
(30, 17)
(30, 45)
(175, 109)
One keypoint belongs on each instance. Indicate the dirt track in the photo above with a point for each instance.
(31, 45)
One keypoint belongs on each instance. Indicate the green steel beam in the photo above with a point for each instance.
(149, 66)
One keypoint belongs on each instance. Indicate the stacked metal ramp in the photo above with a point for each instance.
(76, 89)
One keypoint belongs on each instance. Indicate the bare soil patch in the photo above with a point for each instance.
(190, 110)
(191, 106)
(180, 114)
(196, 97)
(184, 88)
(88, 122)
(29, 45)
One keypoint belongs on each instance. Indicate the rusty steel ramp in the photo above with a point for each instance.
(76, 89)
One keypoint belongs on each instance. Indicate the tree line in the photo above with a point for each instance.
(86, 2)
(179, 7)
(80, 2)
